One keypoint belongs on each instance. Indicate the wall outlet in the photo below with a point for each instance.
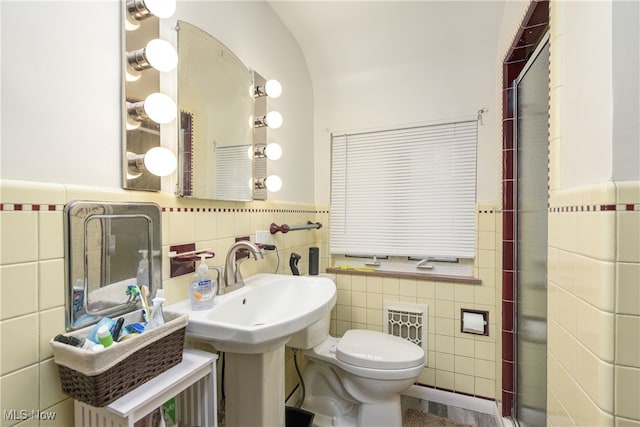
(262, 237)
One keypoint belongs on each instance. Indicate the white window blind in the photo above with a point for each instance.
(405, 192)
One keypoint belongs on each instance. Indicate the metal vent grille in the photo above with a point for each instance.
(408, 321)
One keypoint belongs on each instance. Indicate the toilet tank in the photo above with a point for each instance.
(313, 335)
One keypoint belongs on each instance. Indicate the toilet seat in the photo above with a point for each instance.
(376, 350)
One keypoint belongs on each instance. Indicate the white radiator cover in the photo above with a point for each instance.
(407, 321)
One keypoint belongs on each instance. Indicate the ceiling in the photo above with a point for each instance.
(348, 37)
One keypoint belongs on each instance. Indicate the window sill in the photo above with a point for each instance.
(408, 275)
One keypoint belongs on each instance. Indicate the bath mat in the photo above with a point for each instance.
(417, 418)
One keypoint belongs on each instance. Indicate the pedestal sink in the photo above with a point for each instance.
(252, 325)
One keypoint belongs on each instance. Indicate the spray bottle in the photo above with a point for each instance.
(157, 316)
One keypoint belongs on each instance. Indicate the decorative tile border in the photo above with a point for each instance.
(36, 207)
(246, 210)
(597, 208)
(30, 207)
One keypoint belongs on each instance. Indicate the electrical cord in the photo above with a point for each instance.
(303, 390)
(273, 248)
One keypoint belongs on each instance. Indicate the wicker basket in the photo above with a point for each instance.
(99, 378)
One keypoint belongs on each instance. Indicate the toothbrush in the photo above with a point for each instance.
(145, 302)
(134, 291)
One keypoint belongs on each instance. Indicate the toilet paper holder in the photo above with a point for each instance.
(474, 322)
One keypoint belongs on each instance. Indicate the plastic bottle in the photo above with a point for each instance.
(202, 288)
(76, 342)
(142, 275)
(104, 336)
(157, 316)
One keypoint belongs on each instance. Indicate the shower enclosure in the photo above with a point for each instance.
(531, 90)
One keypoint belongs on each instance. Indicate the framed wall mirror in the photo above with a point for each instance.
(216, 119)
(109, 246)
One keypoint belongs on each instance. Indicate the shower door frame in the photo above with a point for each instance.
(544, 42)
(527, 34)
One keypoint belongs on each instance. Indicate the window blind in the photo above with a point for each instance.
(405, 192)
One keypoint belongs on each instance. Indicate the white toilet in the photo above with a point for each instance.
(356, 380)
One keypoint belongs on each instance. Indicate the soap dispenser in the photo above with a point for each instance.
(142, 276)
(203, 287)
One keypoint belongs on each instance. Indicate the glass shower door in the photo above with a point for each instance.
(532, 156)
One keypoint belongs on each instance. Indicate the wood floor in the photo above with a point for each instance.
(475, 419)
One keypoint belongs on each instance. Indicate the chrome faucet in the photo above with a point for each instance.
(232, 277)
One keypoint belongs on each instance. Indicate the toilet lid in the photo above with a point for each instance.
(371, 349)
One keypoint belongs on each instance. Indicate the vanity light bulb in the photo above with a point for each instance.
(273, 183)
(273, 119)
(161, 55)
(273, 88)
(161, 8)
(160, 108)
(273, 151)
(160, 161)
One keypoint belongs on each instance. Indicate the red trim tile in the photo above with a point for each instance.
(507, 164)
(507, 375)
(507, 195)
(507, 255)
(507, 285)
(507, 403)
(507, 225)
(507, 315)
(507, 103)
(510, 72)
(507, 346)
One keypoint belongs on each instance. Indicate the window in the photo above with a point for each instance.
(405, 192)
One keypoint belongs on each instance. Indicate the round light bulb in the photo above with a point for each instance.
(273, 183)
(161, 55)
(160, 161)
(161, 8)
(273, 151)
(160, 108)
(273, 119)
(273, 88)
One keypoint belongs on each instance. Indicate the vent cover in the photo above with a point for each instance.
(407, 321)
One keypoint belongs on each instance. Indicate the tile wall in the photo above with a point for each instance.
(32, 274)
(32, 286)
(459, 362)
(594, 306)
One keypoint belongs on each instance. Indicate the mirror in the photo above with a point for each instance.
(106, 243)
(216, 109)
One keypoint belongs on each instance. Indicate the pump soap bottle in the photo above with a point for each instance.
(203, 287)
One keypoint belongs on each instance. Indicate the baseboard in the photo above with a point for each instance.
(454, 399)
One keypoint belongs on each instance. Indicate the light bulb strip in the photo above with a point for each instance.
(136, 111)
(138, 10)
(138, 60)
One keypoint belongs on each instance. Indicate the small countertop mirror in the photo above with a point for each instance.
(216, 109)
(109, 246)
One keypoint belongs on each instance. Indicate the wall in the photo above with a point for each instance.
(626, 89)
(380, 84)
(60, 118)
(32, 273)
(594, 222)
(459, 362)
(66, 73)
